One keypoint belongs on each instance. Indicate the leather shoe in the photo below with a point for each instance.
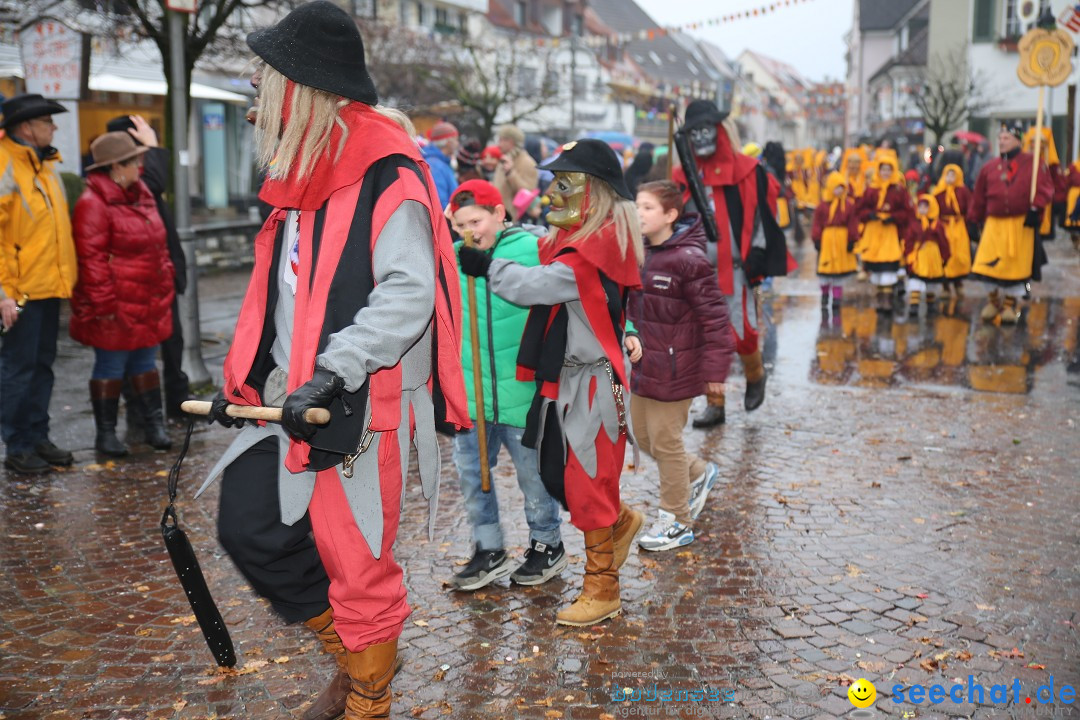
(27, 464)
(53, 455)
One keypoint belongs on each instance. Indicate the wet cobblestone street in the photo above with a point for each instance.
(905, 507)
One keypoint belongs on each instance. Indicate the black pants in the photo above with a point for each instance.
(279, 561)
(174, 381)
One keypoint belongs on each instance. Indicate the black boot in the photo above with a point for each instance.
(147, 387)
(713, 414)
(105, 399)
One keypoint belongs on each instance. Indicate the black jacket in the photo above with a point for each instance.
(156, 176)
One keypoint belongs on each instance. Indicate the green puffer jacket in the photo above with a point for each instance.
(506, 400)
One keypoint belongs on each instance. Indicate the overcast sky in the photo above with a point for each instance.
(808, 36)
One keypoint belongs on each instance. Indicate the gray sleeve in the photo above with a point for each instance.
(400, 307)
(540, 285)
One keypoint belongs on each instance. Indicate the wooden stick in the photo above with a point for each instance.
(670, 141)
(1037, 160)
(478, 377)
(315, 416)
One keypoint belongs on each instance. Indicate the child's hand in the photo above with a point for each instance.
(633, 347)
(714, 388)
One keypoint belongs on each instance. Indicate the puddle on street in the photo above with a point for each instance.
(858, 346)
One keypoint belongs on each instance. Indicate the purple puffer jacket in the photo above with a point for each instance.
(682, 319)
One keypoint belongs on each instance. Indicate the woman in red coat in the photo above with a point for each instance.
(122, 303)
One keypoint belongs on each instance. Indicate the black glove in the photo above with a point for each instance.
(888, 220)
(474, 262)
(755, 264)
(1032, 218)
(317, 392)
(217, 412)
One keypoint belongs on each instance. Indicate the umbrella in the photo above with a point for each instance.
(969, 136)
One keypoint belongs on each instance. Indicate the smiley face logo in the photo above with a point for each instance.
(862, 693)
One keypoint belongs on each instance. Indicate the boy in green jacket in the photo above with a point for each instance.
(477, 206)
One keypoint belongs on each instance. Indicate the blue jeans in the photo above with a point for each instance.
(26, 376)
(541, 510)
(115, 364)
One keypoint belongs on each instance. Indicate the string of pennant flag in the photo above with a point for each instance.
(658, 32)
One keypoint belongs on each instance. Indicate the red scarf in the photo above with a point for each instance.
(601, 250)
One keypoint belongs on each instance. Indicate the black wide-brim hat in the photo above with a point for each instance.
(27, 107)
(318, 44)
(703, 112)
(592, 157)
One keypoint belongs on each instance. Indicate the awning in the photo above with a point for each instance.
(117, 84)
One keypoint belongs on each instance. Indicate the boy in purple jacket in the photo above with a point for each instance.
(682, 319)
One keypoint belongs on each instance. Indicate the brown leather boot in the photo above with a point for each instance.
(330, 704)
(625, 530)
(370, 673)
(599, 599)
(754, 369)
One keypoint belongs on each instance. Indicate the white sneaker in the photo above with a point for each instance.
(699, 489)
(667, 533)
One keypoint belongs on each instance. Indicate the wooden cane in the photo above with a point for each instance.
(1036, 161)
(478, 377)
(315, 416)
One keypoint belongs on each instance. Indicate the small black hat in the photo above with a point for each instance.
(318, 45)
(1015, 128)
(592, 157)
(703, 112)
(120, 124)
(27, 107)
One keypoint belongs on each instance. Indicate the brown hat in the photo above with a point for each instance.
(112, 148)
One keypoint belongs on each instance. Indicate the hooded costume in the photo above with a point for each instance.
(1048, 151)
(832, 231)
(572, 347)
(352, 306)
(884, 211)
(926, 250)
(954, 200)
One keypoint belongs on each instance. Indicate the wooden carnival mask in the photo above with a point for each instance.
(569, 194)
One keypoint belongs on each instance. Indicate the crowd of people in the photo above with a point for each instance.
(913, 233)
(605, 301)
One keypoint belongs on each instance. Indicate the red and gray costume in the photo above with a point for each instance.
(363, 245)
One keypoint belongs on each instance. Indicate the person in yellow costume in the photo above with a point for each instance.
(884, 211)
(853, 165)
(926, 252)
(1071, 221)
(831, 233)
(800, 179)
(954, 199)
(1009, 255)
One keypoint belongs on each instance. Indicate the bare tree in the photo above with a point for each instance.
(406, 66)
(949, 92)
(217, 30)
(502, 81)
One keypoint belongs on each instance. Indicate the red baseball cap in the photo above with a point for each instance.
(483, 192)
(492, 151)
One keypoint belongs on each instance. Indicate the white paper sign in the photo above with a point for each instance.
(52, 60)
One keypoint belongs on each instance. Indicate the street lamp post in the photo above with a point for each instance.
(188, 303)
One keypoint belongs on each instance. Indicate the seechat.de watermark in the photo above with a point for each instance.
(977, 693)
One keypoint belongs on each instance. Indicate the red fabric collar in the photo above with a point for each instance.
(600, 250)
(371, 137)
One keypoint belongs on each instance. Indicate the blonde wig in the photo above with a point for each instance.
(305, 138)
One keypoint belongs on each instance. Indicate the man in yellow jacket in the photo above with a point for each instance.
(38, 267)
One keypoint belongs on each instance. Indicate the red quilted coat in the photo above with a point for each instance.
(124, 296)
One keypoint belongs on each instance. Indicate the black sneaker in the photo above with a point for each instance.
(486, 567)
(542, 562)
(53, 455)
(27, 464)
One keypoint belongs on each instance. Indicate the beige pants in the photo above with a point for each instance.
(658, 428)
